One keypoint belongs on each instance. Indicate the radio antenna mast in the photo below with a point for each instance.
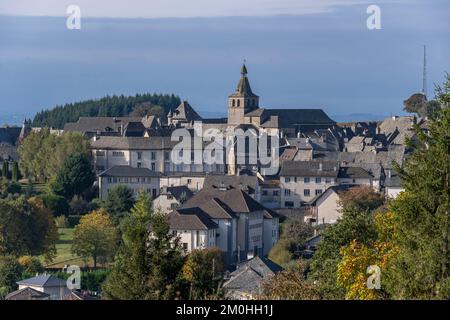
(424, 76)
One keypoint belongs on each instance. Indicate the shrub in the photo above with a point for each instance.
(56, 204)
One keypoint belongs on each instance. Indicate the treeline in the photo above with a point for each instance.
(109, 106)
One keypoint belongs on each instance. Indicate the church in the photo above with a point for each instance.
(244, 110)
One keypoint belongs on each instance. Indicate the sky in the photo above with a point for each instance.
(299, 54)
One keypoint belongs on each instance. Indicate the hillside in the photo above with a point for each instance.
(109, 106)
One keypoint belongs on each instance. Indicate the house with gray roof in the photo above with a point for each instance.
(245, 227)
(134, 178)
(50, 285)
(171, 198)
(27, 293)
(245, 283)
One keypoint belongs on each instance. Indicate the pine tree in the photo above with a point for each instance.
(5, 170)
(421, 269)
(15, 171)
(148, 260)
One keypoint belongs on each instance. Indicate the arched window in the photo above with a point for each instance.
(234, 103)
(239, 103)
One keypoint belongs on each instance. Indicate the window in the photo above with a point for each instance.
(287, 192)
(276, 193)
(306, 193)
(109, 179)
(287, 179)
(99, 153)
(139, 155)
(239, 103)
(153, 155)
(289, 204)
(173, 206)
(234, 103)
(139, 164)
(118, 154)
(264, 193)
(318, 180)
(306, 179)
(318, 191)
(185, 246)
(166, 156)
(154, 193)
(189, 181)
(327, 180)
(153, 166)
(295, 179)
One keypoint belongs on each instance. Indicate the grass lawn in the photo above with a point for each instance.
(63, 254)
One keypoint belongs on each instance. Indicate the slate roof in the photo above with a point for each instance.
(339, 189)
(27, 293)
(185, 112)
(128, 171)
(44, 280)
(9, 135)
(102, 124)
(250, 274)
(287, 118)
(8, 152)
(353, 173)
(397, 129)
(394, 181)
(133, 143)
(191, 219)
(178, 192)
(309, 168)
(246, 183)
(243, 88)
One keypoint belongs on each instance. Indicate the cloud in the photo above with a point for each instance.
(173, 8)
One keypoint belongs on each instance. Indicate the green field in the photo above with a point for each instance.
(63, 254)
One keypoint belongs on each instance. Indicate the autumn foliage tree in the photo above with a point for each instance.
(95, 236)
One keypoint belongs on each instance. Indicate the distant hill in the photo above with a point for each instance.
(109, 106)
(358, 117)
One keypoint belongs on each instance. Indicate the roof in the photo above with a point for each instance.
(191, 219)
(296, 118)
(250, 274)
(243, 88)
(178, 192)
(245, 182)
(27, 293)
(185, 112)
(353, 173)
(310, 168)
(340, 189)
(8, 152)
(394, 181)
(127, 171)
(44, 280)
(9, 135)
(133, 143)
(102, 124)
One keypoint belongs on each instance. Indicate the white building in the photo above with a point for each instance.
(134, 178)
(56, 288)
(171, 198)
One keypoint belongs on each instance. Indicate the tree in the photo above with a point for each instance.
(352, 273)
(147, 109)
(421, 268)
(75, 176)
(149, 259)
(289, 285)
(281, 252)
(119, 202)
(203, 269)
(362, 199)
(15, 171)
(417, 103)
(297, 232)
(353, 225)
(43, 154)
(26, 228)
(5, 170)
(56, 204)
(10, 272)
(95, 236)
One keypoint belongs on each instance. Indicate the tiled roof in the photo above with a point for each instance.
(128, 171)
(246, 183)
